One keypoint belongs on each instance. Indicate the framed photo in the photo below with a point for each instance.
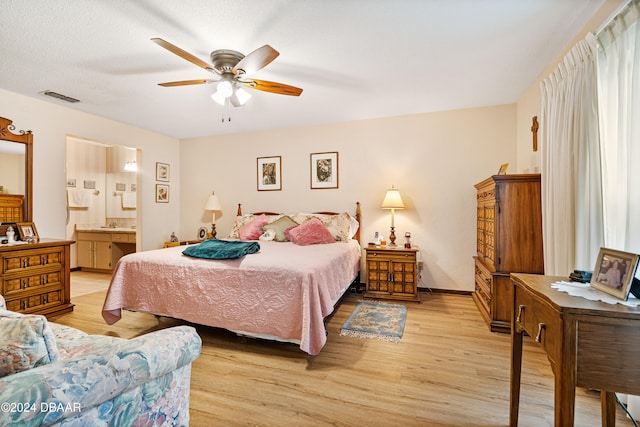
(162, 193)
(324, 170)
(614, 272)
(269, 173)
(503, 169)
(71, 182)
(121, 186)
(162, 172)
(202, 233)
(27, 230)
(90, 185)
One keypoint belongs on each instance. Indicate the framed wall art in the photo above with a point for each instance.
(162, 172)
(162, 193)
(614, 272)
(324, 170)
(269, 173)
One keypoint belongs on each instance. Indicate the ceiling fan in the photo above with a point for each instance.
(232, 69)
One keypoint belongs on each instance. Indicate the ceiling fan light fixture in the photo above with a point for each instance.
(218, 97)
(240, 96)
(225, 88)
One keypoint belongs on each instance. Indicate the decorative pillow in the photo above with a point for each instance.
(253, 229)
(243, 220)
(239, 222)
(342, 226)
(26, 341)
(268, 235)
(312, 232)
(280, 226)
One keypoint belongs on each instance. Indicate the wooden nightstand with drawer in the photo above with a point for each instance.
(391, 273)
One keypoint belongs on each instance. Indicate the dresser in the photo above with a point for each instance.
(35, 277)
(509, 240)
(589, 344)
(391, 273)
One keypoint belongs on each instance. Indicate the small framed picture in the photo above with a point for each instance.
(27, 230)
(614, 272)
(71, 182)
(162, 193)
(202, 233)
(324, 170)
(162, 172)
(90, 185)
(121, 186)
(269, 173)
(133, 187)
(503, 169)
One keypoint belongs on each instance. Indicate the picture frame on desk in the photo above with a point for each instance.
(614, 272)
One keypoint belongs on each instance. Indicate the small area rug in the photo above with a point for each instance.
(373, 319)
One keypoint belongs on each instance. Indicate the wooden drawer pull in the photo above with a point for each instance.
(541, 327)
(520, 312)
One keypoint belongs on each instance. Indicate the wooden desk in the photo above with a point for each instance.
(589, 344)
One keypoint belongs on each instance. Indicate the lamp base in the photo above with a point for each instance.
(392, 237)
(213, 231)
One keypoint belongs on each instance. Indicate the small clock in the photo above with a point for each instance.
(202, 233)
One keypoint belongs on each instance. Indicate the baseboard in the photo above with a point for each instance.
(444, 291)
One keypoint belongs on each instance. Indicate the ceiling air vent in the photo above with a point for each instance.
(59, 96)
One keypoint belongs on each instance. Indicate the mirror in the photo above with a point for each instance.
(16, 166)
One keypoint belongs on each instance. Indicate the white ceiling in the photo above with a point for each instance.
(355, 59)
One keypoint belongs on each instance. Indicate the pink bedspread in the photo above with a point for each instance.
(283, 291)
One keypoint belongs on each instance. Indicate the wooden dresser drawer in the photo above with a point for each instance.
(539, 321)
(36, 302)
(16, 284)
(30, 259)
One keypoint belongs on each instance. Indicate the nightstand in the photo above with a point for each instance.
(391, 273)
(180, 243)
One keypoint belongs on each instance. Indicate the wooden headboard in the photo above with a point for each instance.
(357, 216)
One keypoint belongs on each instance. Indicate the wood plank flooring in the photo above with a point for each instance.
(448, 370)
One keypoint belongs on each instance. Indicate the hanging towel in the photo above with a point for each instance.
(128, 200)
(78, 198)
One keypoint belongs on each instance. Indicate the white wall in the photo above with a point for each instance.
(434, 159)
(51, 124)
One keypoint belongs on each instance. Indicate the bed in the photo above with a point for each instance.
(283, 292)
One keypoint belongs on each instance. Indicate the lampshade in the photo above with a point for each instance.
(213, 203)
(392, 200)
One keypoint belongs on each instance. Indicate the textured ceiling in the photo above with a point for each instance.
(355, 59)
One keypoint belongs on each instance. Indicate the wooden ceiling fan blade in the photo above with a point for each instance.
(273, 87)
(256, 60)
(184, 54)
(186, 83)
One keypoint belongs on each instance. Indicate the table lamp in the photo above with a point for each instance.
(213, 205)
(393, 201)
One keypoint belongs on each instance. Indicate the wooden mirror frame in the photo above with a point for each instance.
(22, 137)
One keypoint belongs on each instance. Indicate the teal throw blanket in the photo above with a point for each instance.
(222, 249)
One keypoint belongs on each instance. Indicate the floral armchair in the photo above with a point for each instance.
(54, 375)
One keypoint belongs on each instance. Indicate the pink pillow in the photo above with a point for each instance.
(251, 230)
(311, 232)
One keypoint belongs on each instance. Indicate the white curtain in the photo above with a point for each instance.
(571, 186)
(618, 70)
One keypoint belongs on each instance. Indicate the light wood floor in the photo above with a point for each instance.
(448, 370)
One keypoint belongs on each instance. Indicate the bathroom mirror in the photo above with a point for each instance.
(16, 173)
